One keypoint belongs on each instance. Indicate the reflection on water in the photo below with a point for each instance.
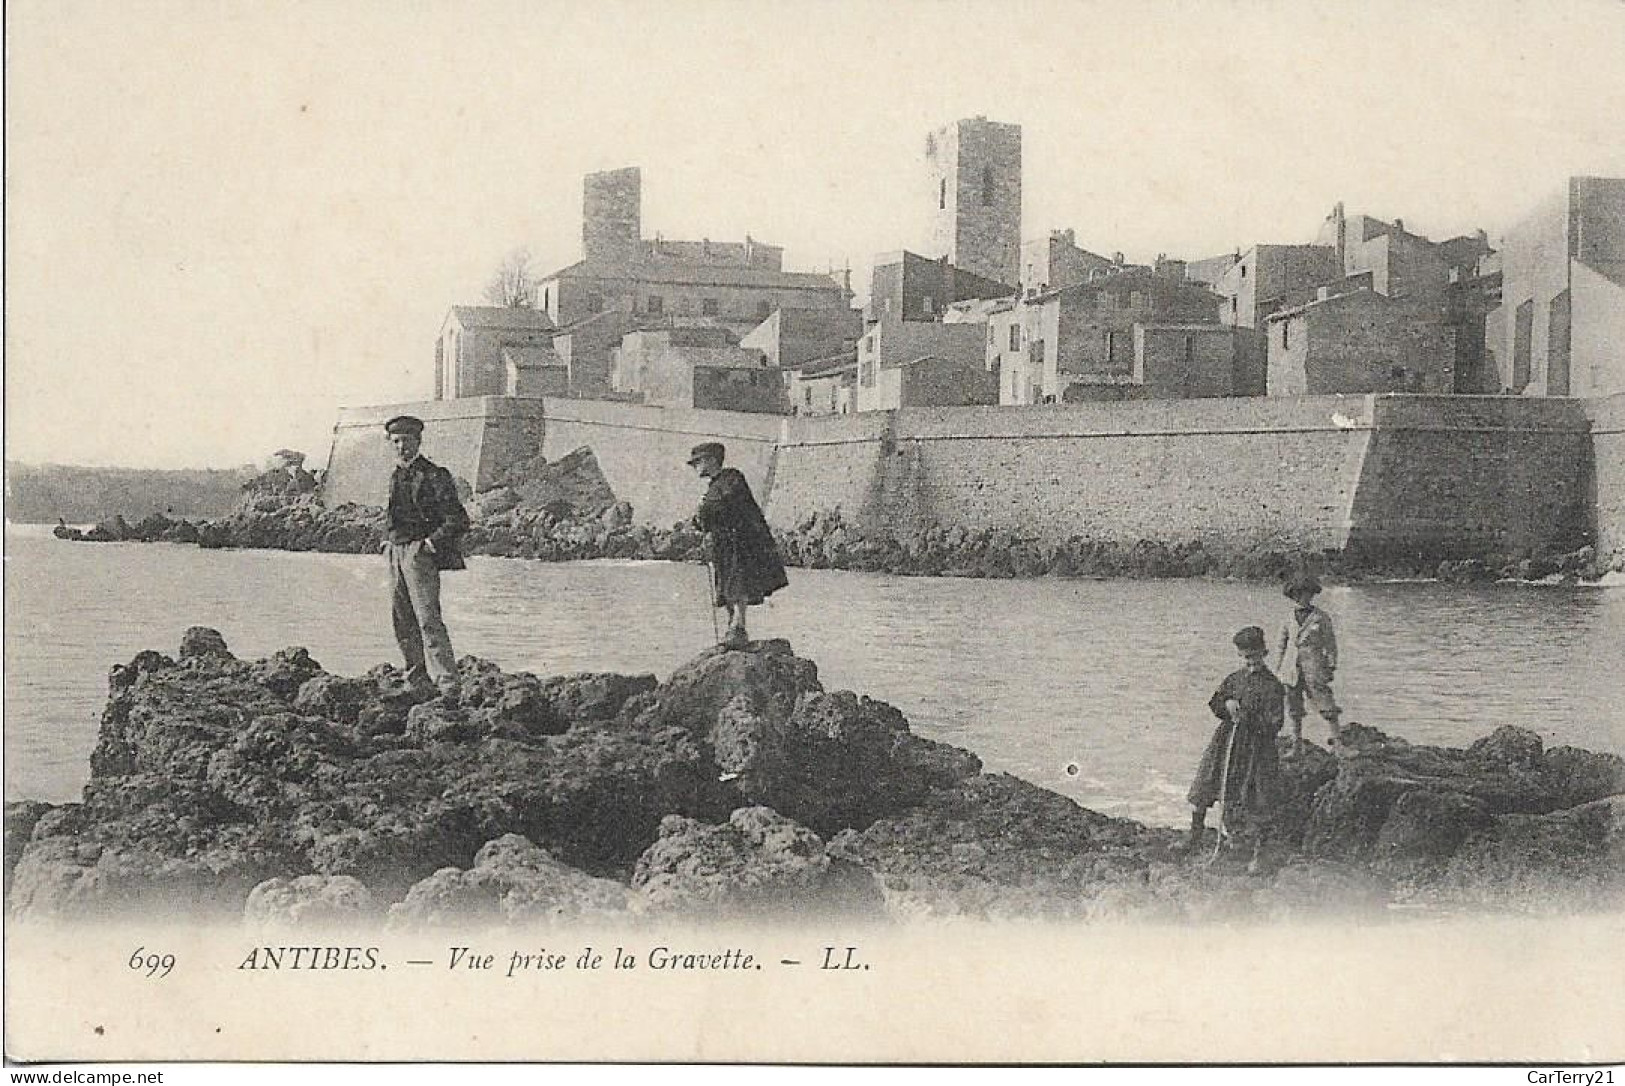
(1110, 677)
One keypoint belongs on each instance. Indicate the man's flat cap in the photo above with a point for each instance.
(1301, 585)
(404, 424)
(707, 449)
(1250, 639)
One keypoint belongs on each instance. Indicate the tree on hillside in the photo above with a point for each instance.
(514, 282)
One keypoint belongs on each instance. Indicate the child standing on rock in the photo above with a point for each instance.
(1240, 769)
(1308, 660)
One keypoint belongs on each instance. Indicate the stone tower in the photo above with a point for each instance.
(612, 216)
(975, 171)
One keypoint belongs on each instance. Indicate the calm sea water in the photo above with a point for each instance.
(1097, 689)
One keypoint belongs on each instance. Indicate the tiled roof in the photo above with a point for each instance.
(819, 367)
(506, 318)
(719, 275)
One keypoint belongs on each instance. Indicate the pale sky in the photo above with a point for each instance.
(224, 220)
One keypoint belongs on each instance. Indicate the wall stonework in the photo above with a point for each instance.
(475, 438)
(1423, 474)
(643, 451)
(1607, 482)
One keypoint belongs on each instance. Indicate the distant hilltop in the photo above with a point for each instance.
(40, 493)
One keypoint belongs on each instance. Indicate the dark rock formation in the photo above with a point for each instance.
(759, 864)
(511, 882)
(737, 786)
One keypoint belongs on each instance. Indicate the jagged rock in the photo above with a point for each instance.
(1506, 772)
(212, 775)
(202, 641)
(1577, 776)
(759, 864)
(573, 483)
(1545, 862)
(766, 681)
(997, 846)
(308, 901)
(286, 671)
(513, 882)
(21, 818)
(836, 762)
(1424, 828)
(334, 697)
(1303, 774)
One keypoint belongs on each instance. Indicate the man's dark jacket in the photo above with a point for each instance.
(423, 504)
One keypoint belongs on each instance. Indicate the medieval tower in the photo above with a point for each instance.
(974, 167)
(612, 216)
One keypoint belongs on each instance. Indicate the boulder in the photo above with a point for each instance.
(309, 901)
(202, 641)
(758, 865)
(1505, 772)
(1424, 828)
(1547, 862)
(511, 882)
(836, 762)
(995, 845)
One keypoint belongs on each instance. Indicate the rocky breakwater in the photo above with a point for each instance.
(274, 790)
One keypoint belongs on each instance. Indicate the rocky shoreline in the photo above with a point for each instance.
(565, 511)
(278, 793)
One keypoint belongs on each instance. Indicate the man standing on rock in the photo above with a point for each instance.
(426, 525)
(1240, 769)
(1308, 659)
(745, 563)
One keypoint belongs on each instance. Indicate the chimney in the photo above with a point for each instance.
(1117, 258)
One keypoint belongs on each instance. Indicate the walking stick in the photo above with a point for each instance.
(711, 600)
(1224, 789)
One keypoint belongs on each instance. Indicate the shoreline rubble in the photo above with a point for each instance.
(565, 511)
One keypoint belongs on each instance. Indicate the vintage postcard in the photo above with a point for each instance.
(817, 533)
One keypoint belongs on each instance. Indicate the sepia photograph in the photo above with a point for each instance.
(815, 533)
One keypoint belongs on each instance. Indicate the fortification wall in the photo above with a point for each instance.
(1471, 473)
(1438, 474)
(643, 451)
(475, 438)
(1236, 472)
(1607, 483)
(832, 462)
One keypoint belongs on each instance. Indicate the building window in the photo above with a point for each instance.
(990, 335)
(1286, 336)
(928, 305)
(1038, 351)
(656, 304)
(1244, 271)
(595, 303)
(710, 307)
(1190, 350)
(1015, 337)
(987, 186)
(942, 194)
(1232, 303)
(547, 298)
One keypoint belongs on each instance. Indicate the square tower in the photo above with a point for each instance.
(612, 216)
(975, 171)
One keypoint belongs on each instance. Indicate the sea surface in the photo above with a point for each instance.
(1095, 688)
